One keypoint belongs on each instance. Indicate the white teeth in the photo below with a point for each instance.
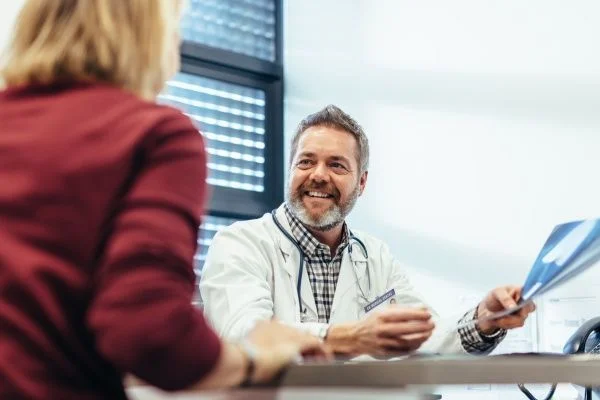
(318, 194)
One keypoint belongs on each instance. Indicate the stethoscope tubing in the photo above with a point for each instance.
(302, 257)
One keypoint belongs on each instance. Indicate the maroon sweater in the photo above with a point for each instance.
(100, 200)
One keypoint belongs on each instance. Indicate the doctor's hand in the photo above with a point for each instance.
(390, 331)
(279, 345)
(500, 299)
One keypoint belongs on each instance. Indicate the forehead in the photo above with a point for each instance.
(325, 141)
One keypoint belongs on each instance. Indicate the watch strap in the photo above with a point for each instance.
(251, 354)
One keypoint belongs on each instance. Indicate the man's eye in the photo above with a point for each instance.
(304, 162)
(338, 165)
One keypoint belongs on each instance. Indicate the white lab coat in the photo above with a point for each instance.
(251, 272)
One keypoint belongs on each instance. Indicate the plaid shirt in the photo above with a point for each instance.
(473, 340)
(323, 272)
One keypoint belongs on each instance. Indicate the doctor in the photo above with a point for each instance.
(303, 265)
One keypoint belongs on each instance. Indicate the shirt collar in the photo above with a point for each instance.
(308, 243)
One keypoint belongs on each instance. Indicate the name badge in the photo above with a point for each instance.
(390, 293)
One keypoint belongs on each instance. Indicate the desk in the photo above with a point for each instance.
(147, 393)
(384, 380)
(581, 369)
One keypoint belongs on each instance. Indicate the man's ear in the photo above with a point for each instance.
(363, 182)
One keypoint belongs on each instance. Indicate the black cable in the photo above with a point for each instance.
(528, 394)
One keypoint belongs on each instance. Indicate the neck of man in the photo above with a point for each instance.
(331, 238)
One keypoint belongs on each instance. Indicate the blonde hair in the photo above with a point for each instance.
(132, 44)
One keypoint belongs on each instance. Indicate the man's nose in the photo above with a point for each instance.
(320, 173)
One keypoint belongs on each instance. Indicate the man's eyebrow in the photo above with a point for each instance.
(310, 154)
(306, 154)
(340, 158)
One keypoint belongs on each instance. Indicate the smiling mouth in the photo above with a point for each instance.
(319, 195)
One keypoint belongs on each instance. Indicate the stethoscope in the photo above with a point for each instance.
(352, 240)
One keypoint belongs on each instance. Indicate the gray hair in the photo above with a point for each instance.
(333, 117)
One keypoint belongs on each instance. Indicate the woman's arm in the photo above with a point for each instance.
(141, 313)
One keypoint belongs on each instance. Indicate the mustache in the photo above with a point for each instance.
(321, 187)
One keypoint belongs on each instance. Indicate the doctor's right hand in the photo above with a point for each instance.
(394, 330)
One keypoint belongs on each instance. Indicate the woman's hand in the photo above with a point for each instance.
(279, 345)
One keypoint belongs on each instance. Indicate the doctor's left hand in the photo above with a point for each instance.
(500, 299)
(390, 331)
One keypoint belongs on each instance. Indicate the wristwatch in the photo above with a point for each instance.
(251, 353)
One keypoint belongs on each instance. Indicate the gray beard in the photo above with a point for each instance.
(332, 217)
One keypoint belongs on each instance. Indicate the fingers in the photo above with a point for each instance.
(401, 330)
(309, 345)
(505, 298)
(392, 329)
(530, 307)
(514, 320)
(401, 337)
(288, 341)
(319, 352)
(523, 312)
(307, 341)
(510, 322)
(305, 346)
(401, 344)
(515, 292)
(398, 314)
(517, 320)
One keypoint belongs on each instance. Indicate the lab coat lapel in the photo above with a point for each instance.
(291, 256)
(347, 280)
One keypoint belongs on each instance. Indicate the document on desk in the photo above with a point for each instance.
(523, 340)
(563, 310)
(570, 249)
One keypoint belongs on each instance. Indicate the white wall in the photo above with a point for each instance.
(483, 121)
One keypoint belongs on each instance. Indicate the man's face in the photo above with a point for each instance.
(325, 178)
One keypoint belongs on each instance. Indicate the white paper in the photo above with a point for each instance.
(566, 308)
(522, 340)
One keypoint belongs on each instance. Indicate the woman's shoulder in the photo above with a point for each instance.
(123, 99)
(136, 114)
